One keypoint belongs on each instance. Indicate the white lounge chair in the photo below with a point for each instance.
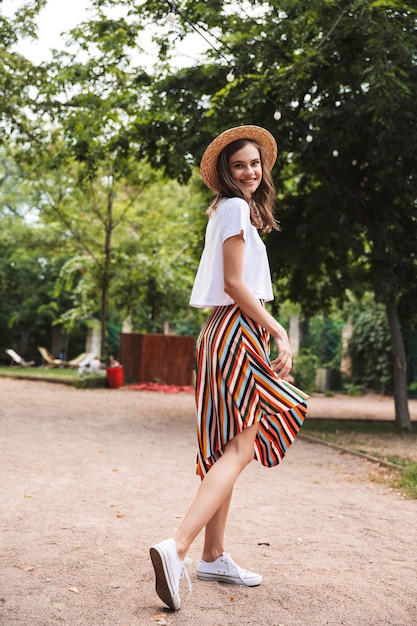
(75, 362)
(17, 359)
(49, 360)
(86, 362)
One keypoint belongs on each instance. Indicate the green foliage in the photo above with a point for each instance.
(412, 390)
(370, 351)
(322, 336)
(83, 163)
(354, 390)
(348, 72)
(305, 367)
(152, 262)
(158, 264)
(90, 381)
(17, 74)
(28, 307)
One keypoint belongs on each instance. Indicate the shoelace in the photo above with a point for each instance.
(230, 564)
(185, 574)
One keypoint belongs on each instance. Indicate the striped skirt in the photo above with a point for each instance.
(236, 388)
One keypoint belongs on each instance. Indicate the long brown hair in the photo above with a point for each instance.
(261, 202)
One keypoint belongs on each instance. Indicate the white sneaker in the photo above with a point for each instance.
(168, 570)
(224, 569)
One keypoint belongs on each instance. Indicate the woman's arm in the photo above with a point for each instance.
(235, 287)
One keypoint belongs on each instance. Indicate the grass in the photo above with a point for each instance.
(63, 375)
(407, 481)
(59, 374)
(331, 429)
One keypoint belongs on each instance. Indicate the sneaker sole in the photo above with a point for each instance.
(227, 579)
(163, 576)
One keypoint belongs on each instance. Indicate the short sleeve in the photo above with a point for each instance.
(235, 215)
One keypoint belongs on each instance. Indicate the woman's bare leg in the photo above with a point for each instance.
(214, 532)
(214, 494)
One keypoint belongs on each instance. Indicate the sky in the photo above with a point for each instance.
(60, 16)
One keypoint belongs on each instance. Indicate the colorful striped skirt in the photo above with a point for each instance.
(236, 388)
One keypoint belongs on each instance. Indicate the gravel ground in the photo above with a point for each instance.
(91, 478)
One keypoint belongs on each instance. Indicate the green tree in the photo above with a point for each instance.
(88, 172)
(85, 168)
(343, 75)
(159, 259)
(153, 260)
(17, 74)
(28, 307)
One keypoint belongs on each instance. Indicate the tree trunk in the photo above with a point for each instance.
(402, 415)
(106, 272)
(103, 320)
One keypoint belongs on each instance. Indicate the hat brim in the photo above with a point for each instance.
(208, 165)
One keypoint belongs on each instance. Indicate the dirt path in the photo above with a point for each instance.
(90, 479)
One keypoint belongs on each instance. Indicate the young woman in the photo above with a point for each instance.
(245, 408)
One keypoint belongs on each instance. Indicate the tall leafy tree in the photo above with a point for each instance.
(86, 170)
(159, 254)
(28, 307)
(341, 74)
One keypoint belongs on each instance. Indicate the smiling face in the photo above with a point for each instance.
(246, 168)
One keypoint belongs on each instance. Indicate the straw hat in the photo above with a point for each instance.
(208, 165)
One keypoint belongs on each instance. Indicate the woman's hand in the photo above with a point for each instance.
(234, 286)
(283, 363)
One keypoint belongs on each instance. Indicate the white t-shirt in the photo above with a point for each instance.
(231, 217)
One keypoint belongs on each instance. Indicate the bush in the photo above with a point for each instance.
(412, 390)
(91, 381)
(305, 366)
(370, 351)
(354, 390)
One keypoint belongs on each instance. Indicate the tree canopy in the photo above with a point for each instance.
(342, 76)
